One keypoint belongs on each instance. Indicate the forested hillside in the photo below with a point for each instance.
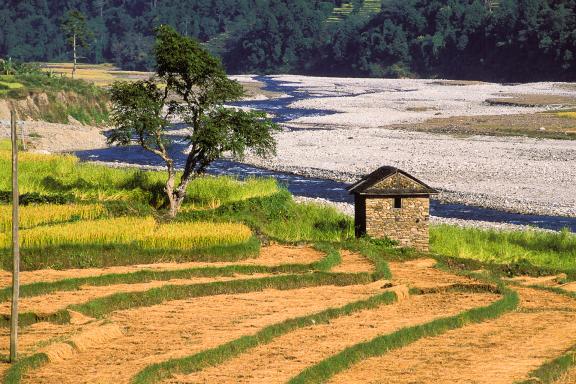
(508, 40)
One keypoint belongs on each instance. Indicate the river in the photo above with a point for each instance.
(312, 187)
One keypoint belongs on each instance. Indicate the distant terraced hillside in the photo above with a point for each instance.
(368, 8)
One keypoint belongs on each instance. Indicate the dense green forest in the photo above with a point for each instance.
(506, 40)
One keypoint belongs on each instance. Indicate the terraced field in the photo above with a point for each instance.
(368, 8)
(288, 322)
(247, 286)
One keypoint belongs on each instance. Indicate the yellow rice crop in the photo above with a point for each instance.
(570, 115)
(33, 215)
(138, 231)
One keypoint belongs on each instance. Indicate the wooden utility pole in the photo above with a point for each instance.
(15, 244)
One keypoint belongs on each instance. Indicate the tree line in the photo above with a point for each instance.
(504, 40)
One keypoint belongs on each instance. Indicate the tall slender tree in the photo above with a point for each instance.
(77, 34)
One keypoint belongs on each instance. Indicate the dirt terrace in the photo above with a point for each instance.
(287, 355)
(183, 327)
(502, 351)
(270, 255)
(116, 348)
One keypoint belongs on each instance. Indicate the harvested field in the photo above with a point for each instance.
(117, 345)
(285, 357)
(353, 262)
(499, 351)
(47, 304)
(186, 329)
(422, 274)
(269, 256)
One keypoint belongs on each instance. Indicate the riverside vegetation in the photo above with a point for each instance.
(80, 215)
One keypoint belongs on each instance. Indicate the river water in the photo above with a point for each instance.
(306, 186)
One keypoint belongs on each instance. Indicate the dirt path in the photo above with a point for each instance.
(287, 355)
(51, 303)
(353, 262)
(499, 351)
(183, 327)
(270, 255)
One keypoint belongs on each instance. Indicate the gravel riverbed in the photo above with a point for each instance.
(513, 173)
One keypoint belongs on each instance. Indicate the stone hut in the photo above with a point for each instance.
(391, 203)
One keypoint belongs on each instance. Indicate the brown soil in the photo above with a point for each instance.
(555, 281)
(571, 287)
(115, 349)
(256, 89)
(548, 281)
(270, 255)
(51, 303)
(183, 327)
(532, 100)
(529, 124)
(287, 355)
(422, 274)
(499, 351)
(353, 262)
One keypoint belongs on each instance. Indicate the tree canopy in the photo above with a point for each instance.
(190, 86)
(508, 40)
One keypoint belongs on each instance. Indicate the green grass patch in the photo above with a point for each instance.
(28, 318)
(380, 345)
(10, 85)
(541, 249)
(279, 217)
(16, 372)
(64, 175)
(211, 357)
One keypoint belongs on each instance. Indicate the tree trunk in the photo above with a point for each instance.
(74, 48)
(170, 193)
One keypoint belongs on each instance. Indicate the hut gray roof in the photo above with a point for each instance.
(390, 181)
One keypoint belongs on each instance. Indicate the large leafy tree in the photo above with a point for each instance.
(190, 86)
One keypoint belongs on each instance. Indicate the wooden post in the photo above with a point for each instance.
(15, 244)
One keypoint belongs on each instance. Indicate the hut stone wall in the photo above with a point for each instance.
(407, 225)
